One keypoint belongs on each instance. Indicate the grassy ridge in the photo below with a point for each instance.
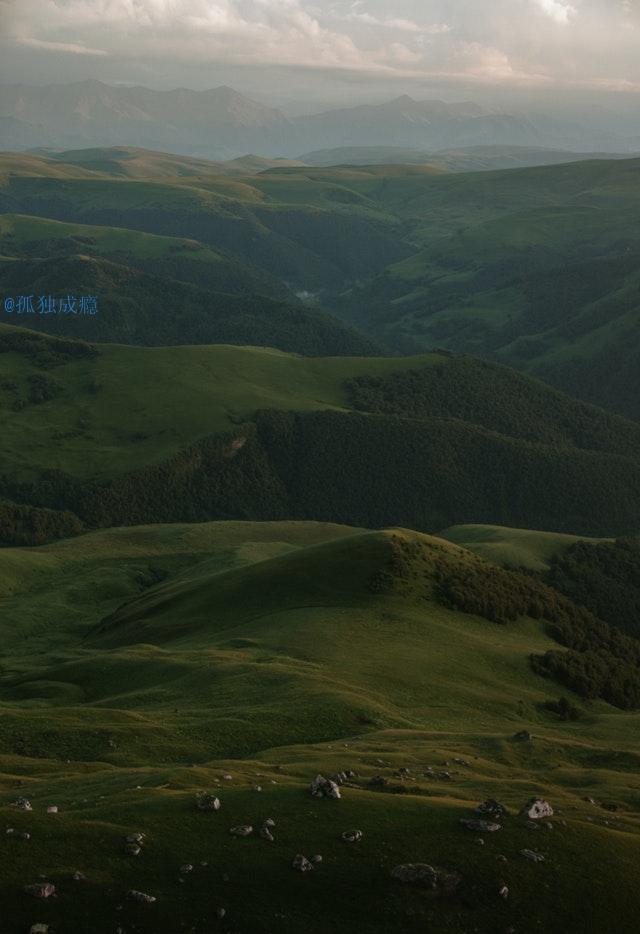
(192, 440)
(243, 670)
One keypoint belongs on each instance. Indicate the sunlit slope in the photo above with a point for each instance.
(511, 547)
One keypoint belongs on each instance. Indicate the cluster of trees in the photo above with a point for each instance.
(497, 398)
(42, 350)
(29, 525)
(601, 661)
(365, 470)
(604, 577)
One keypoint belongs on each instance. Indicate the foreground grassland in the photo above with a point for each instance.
(142, 665)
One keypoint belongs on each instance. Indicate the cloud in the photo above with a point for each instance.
(564, 43)
(558, 10)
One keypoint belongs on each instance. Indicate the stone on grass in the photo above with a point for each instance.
(41, 889)
(301, 863)
(141, 897)
(537, 808)
(39, 929)
(52, 809)
(532, 856)
(22, 804)
(205, 801)
(352, 836)
(322, 787)
(244, 830)
(491, 808)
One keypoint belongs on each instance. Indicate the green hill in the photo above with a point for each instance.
(146, 664)
(125, 435)
(538, 268)
(519, 548)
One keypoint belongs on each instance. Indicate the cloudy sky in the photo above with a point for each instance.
(369, 48)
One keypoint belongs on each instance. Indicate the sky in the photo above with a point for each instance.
(298, 51)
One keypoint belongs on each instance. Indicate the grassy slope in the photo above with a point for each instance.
(152, 392)
(523, 548)
(272, 671)
(492, 263)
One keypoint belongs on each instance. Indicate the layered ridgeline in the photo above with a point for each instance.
(146, 665)
(124, 435)
(157, 290)
(537, 268)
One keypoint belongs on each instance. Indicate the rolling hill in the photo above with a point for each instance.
(236, 432)
(536, 268)
(244, 659)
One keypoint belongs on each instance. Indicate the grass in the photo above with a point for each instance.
(264, 655)
(152, 402)
(522, 548)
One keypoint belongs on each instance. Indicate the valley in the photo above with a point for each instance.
(341, 480)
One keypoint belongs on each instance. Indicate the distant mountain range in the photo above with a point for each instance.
(222, 124)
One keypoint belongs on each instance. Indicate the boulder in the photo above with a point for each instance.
(266, 831)
(491, 808)
(536, 809)
(205, 801)
(322, 787)
(39, 929)
(22, 804)
(532, 856)
(41, 889)
(141, 897)
(302, 864)
(352, 836)
(244, 830)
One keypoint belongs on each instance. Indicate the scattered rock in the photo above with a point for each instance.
(41, 889)
(132, 849)
(205, 801)
(352, 836)
(537, 808)
(378, 781)
(22, 804)
(437, 881)
(504, 892)
(480, 826)
(186, 868)
(244, 830)
(302, 864)
(322, 787)
(135, 838)
(220, 913)
(491, 808)
(79, 876)
(524, 736)
(532, 855)
(141, 897)
(316, 860)
(52, 809)
(39, 929)
(266, 830)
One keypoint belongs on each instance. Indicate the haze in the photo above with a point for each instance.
(302, 55)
